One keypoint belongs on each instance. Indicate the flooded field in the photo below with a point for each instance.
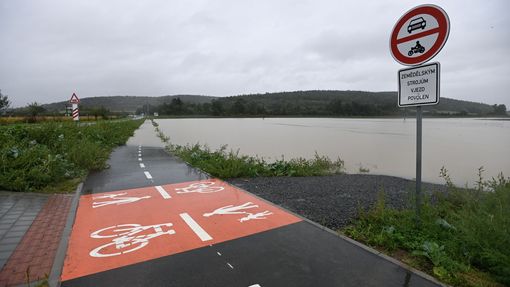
(379, 146)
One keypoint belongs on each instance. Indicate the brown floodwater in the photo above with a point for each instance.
(383, 146)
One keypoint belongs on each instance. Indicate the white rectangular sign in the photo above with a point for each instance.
(419, 86)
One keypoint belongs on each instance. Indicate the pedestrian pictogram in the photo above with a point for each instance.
(419, 35)
(116, 198)
(260, 215)
(240, 209)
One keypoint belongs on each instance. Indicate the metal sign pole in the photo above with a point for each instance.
(419, 85)
(418, 163)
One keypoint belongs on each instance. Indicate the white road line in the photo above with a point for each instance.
(147, 175)
(255, 285)
(142, 165)
(163, 192)
(139, 159)
(219, 254)
(230, 265)
(199, 231)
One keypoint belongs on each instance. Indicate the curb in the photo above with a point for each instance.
(58, 262)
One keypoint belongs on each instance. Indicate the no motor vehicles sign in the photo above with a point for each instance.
(416, 38)
(419, 35)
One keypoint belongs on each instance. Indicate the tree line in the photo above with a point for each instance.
(238, 106)
(225, 107)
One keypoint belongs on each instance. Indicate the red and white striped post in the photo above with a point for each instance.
(76, 112)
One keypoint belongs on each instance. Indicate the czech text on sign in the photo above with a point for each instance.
(419, 86)
(419, 35)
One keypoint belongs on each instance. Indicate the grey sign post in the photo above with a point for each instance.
(416, 38)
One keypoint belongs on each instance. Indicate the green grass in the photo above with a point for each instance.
(51, 156)
(463, 238)
(223, 163)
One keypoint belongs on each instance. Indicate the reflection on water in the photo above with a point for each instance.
(384, 146)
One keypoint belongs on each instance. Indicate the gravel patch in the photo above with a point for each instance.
(333, 201)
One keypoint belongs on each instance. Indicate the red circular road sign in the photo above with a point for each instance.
(419, 35)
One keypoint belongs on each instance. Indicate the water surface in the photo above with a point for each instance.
(383, 146)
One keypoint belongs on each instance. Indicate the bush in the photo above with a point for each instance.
(461, 233)
(36, 156)
(230, 164)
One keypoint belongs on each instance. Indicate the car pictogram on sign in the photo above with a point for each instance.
(415, 24)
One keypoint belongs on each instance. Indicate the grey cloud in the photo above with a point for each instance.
(50, 49)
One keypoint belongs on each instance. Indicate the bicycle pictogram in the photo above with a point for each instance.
(200, 187)
(127, 238)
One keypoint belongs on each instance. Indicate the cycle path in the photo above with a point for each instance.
(150, 220)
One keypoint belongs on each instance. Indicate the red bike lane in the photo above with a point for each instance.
(120, 228)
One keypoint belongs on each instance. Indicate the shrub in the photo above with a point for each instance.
(461, 231)
(35, 156)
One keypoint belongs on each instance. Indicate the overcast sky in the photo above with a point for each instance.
(50, 49)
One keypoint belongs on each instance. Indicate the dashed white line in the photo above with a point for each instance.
(255, 285)
(163, 192)
(147, 175)
(142, 165)
(230, 265)
(219, 254)
(139, 159)
(199, 231)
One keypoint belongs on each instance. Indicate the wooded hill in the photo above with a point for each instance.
(298, 103)
(319, 103)
(128, 104)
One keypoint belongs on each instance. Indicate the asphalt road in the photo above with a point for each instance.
(150, 220)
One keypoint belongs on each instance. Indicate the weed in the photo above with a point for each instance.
(224, 163)
(463, 237)
(39, 157)
(363, 169)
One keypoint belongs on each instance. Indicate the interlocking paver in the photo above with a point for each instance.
(14, 234)
(17, 213)
(36, 251)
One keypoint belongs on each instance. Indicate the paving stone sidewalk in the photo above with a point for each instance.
(30, 230)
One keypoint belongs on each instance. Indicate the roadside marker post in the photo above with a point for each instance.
(75, 111)
(417, 37)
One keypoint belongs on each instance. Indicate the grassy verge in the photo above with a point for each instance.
(463, 238)
(52, 156)
(230, 164)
